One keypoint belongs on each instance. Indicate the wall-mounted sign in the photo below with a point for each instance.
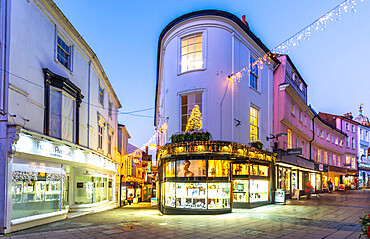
(296, 151)
(30, 145)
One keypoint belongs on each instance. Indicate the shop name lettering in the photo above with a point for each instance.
(54, 150)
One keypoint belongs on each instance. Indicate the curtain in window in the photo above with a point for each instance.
(55, 113)
(67, 119)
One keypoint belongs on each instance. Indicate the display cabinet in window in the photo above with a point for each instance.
(191, 195)
(240, 190)
(170, 194)
(17, 191)
(259, 190)
(218, 195)
(40, 190)
(28, 192)
(52, 190)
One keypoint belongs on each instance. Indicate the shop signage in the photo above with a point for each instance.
(321, 167)
(296, 151)
(338, 170)
(30, 145)
(298, 161)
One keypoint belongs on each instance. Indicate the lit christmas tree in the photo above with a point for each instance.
(195, 120)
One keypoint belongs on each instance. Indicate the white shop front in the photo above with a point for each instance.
(50, 178)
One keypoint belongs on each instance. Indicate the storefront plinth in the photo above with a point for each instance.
(37, 220)
(184, 211)
(241, 205)
(93, 207)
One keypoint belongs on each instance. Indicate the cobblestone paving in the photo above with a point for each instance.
(334, 215)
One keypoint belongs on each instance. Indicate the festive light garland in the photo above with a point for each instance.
(304, 34)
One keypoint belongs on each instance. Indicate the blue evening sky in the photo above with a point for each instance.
(124, 35)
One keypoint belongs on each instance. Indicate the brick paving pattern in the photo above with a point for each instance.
(333, 215)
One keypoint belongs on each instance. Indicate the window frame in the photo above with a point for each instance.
(110, 109)
(204, 34)
(257, 109)
(252, 74)
(202, 93)
(67, 88)
(101, 93)
(68, 42)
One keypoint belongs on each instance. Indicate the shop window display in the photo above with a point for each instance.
(170, 194)
(191, 168)
(191, 195)
(110, 190)
(218, 195)
(218, 168)
(258, 191)
(36, 188)
(284, 179)
(240, 190)
(240, 169)
(170, 169)
(105, 189)
(294, 180)
(84, 189)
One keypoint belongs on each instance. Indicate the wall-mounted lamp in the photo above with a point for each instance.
(276, 136)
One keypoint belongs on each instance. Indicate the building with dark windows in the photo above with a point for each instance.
(210, 64)
(58, 119)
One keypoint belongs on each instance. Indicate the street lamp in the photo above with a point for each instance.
(276, 136)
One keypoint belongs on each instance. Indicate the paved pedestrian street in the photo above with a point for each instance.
(330, 215)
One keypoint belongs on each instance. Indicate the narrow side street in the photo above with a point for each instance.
(333, 215)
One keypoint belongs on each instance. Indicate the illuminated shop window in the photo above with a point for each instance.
(170, 169)
(259, 191)
(191, 168)
(191, 195)
(218, 168)
(188, 103)
(191, 52)
(240, 188)
(253, 74)
(240, 169)
(253, 124)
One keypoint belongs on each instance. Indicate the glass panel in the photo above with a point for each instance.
(99, 185)
(191, 168)
(263, 170)
(110, 190)
(55, 113)
(191, 195)
(259, 191)
(240, 169)
(36, 188)
(184, 50)
(170, 169)
(170, 195)
(199, 38)
(240, 191)
(105, 189)
(84, 189)
(218, 168)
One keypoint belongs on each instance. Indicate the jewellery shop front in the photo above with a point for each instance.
(213, 177)
(50, 177)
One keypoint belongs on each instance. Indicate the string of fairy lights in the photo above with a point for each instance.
(335, 14)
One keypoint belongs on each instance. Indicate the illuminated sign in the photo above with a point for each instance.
(30, 145)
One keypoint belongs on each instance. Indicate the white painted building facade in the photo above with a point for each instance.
(196, 54)
(58, 119)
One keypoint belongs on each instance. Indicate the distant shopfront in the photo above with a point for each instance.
(131, 191)
(50, 178)
(293, 172)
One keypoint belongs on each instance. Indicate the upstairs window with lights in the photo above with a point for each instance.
(253, 75)
(188, 103)
(254, 122)
(62, 103)
(192, 52)
(64, 53)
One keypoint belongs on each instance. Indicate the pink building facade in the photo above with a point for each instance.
(312, 150)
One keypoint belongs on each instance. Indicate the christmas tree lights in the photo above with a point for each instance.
(195, 120)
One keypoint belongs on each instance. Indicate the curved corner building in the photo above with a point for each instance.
(197, 54)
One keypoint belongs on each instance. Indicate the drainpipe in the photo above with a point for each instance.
(313, 135)
(227, 86)
(232, 86)
(88, 106)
